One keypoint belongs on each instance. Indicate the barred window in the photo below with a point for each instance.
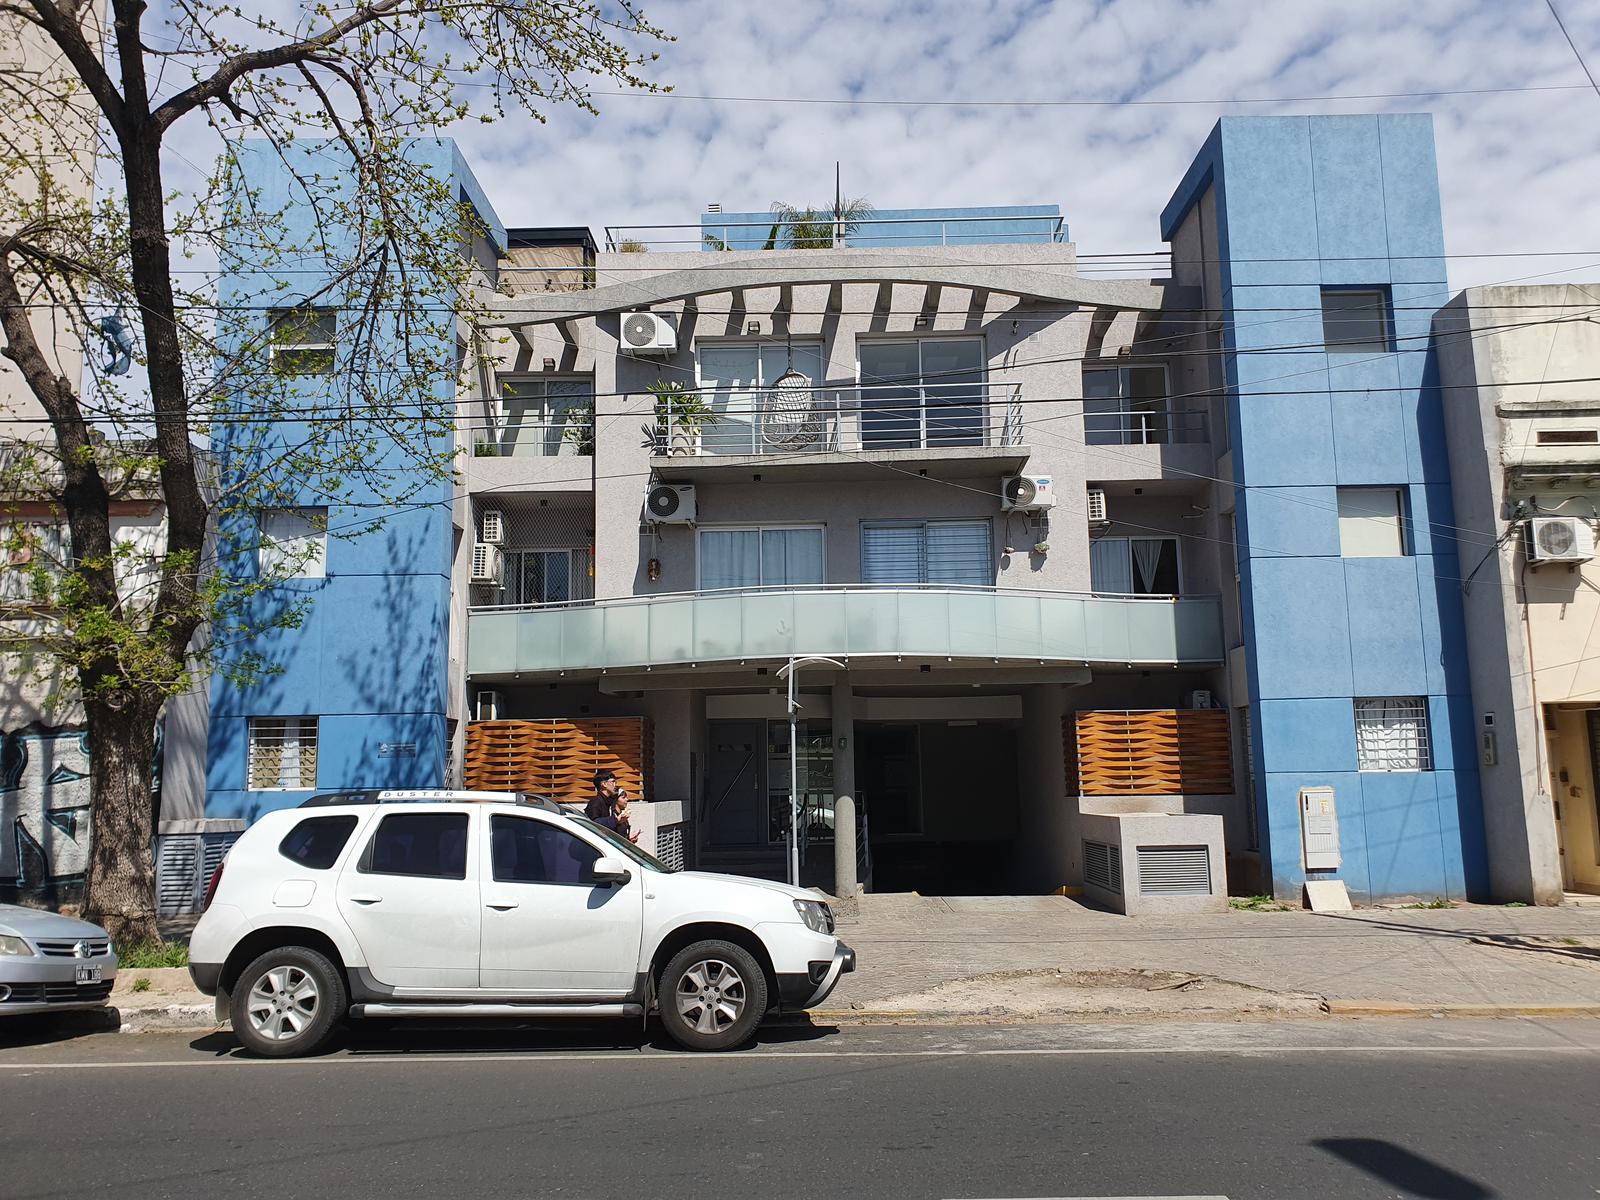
(1392, 734)
(283, 754)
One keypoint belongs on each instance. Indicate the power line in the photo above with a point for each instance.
(1576, 53)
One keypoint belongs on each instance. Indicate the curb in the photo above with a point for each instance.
(166, 1017)
(1394, 1008)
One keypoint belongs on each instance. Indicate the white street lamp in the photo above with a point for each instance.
(791, 672)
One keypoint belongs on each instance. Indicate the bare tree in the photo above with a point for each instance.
(136, 627)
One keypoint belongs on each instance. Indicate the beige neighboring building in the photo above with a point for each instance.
(1524, 437)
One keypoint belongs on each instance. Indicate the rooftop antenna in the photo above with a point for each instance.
(838, 205)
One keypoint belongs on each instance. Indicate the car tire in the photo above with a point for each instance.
(712, 996)
(288, 1002)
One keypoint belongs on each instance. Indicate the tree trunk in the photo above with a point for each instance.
(121, 886)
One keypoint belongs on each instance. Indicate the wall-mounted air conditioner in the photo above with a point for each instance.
(488, 706)
(670, 504)
(1026, 493)
(1559, 540)
(648, 333)
(494, 527)
(485, 563)
(1095, 506)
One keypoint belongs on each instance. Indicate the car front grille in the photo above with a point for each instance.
(62, 948)
(58, 993)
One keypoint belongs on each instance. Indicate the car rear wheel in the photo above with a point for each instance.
(288, 1002)
(712, 996)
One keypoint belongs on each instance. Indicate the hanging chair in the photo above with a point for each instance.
(789, 412)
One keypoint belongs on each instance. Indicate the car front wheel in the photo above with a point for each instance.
(288, 1002)
(712, 996)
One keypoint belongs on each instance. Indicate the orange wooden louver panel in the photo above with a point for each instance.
(1163, 752)
(558, 758)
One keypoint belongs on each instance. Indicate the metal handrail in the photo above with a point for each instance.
(832, 588)
(1054, 229)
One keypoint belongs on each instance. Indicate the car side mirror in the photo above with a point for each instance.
(611, 870)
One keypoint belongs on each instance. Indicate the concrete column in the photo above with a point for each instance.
(844, 789)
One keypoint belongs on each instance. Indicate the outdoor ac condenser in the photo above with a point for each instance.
(1559, 540)
(485, 563)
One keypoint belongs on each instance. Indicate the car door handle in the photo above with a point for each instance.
(366, 899)
(502, 905)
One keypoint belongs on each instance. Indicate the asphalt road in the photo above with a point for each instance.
(1453, 1110)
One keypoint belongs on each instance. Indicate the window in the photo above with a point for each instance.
(283, 753)
(1371, 523)
(547, 416)
(26, 549)
(1355, 320)
(1392, 734)
(1126, 406)
(733, 376)
(432, 845)
(529, 851)
(955, 553)
(315, 843)
(1134, 566)
(761, 557)
(302, 340)
(546, 576)
(292, 543)
(927, 392)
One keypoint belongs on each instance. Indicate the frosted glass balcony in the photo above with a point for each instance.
(851, 621)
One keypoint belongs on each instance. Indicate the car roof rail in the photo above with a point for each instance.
(430, 796)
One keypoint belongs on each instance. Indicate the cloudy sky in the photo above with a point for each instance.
(1520, 170)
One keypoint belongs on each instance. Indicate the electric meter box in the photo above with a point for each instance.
(1319, 829)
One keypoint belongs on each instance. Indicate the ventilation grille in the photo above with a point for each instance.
(669, 846)
(1174, 871)
(1102, 866)
(177, 867)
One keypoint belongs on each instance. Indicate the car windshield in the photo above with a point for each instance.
(648, 861)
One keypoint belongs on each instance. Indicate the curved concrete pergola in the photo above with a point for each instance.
(828, 269)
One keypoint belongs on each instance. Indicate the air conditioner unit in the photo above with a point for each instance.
(670, 504)
(494, 527)
(485, 563)
(1026, 493)
(488, 706)
(1559, 540)
(648, 333)
(1095, 506)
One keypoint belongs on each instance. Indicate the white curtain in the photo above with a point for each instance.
(1110, 569)
(730, 558)
(791, 557)
(1147, 560)
(1390, 734)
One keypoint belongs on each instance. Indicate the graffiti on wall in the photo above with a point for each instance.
(44, 810)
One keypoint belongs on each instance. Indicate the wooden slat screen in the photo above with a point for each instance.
(558, 758)
(1162, 752)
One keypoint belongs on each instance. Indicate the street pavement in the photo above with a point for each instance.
(1451, 1110)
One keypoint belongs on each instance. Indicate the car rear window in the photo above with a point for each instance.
(316, 841)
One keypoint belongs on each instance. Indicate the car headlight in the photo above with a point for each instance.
(817, 915)
(11, 945)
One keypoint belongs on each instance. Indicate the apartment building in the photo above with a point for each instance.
(1072, 548)
(1524, 440)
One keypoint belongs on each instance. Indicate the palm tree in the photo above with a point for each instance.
(817, 228)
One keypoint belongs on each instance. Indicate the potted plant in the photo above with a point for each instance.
(681, 416)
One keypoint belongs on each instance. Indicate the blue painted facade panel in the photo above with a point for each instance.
(1302, 204)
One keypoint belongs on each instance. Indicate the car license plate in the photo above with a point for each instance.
(89, 974)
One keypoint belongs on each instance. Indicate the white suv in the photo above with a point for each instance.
(443, 904)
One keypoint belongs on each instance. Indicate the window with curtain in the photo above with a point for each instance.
(760, 557)
(1371, 522)
(1125, 406)
(292, 543)
(956, 553)
(1392, 734)
(540, 412)
(732, 377)
(283, 753)
(1134, 566)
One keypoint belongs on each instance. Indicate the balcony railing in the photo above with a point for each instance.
(870, 233)
(848, 418)
(845, 621)
(1142, 427)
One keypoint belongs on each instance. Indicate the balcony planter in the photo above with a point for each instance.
(681, 416)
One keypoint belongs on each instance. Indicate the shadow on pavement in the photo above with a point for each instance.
(420, 1038)
(1400, 1168)
(1481, 937)
(44, 1028)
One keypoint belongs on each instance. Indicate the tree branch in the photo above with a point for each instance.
(64, 28)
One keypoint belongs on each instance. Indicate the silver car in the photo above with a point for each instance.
(51, 963)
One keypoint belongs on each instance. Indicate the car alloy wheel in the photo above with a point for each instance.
(283, 1003)
(711, 995)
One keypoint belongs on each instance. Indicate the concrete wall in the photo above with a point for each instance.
(1304, 203)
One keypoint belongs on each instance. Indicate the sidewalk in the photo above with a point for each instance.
(912, 950)
(1466, 956)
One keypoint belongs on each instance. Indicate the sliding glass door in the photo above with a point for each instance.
(922, 393)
